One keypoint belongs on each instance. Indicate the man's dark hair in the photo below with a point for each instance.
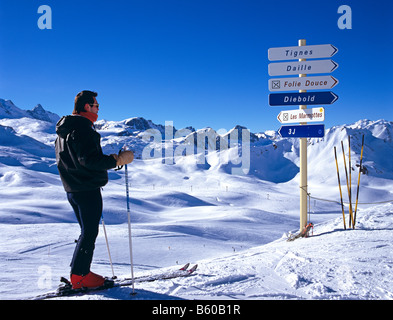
(82, 98)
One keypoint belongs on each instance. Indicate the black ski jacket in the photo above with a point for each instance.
(80, 160)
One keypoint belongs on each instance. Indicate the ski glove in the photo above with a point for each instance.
(124, 157)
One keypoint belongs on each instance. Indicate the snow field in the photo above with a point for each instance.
(233, 227)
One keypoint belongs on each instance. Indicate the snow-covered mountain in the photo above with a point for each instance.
(27, 144)
(11, 111)
(190, 206)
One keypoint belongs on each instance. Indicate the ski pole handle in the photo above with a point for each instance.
(119, 167)
(124, 148)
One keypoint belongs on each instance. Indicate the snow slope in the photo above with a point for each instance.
(233, 226)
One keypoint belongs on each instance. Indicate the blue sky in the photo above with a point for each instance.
(193, 62)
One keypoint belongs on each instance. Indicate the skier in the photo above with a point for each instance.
(83, 171)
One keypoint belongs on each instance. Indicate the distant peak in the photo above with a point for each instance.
(38, 107)
(9, 110)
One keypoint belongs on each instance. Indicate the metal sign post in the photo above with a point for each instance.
(302, 67)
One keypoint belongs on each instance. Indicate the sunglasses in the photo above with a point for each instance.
(95, 105)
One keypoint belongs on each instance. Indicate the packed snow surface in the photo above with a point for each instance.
(234, 227)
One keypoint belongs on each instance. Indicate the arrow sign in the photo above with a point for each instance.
(303, 52)
(302, 67)
(302, 131)
(302, 115)
(305, 83)
(304, 98)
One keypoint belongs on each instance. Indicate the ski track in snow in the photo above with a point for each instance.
(332, 264)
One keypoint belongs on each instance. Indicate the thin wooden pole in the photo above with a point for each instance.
(346, 176)
(339, 186)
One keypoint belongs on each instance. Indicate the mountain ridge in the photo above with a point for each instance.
(272, 157)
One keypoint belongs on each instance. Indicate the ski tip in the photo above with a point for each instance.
(185, 267)
(193, 268)
(109, 283)
(64, 280)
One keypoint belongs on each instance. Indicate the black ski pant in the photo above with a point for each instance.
(87, 206)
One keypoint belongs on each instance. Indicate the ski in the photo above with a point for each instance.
(66, 290)
(303, 234)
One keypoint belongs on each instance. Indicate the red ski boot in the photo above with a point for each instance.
(91, 280)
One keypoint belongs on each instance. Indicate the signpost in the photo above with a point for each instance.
(308, 98)
(302, 98)
(303, 163)
(302, 131)
(307, 52)
(306, 83)
(302, 67)
(299, 115)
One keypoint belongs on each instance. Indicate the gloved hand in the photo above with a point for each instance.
(124, 157)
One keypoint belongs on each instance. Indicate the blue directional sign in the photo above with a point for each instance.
(303, 98)
(303, 131)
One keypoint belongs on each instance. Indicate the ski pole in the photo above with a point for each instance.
(339, 186)
(357, 191)
(129, 230)
(107, 246)
(350, 174)
(349, 192)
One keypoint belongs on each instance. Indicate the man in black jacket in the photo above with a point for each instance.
(83, 171)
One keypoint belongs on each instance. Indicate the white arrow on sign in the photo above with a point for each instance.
(302, 67)
(302, 115)
(305, 83)
(302, 52)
